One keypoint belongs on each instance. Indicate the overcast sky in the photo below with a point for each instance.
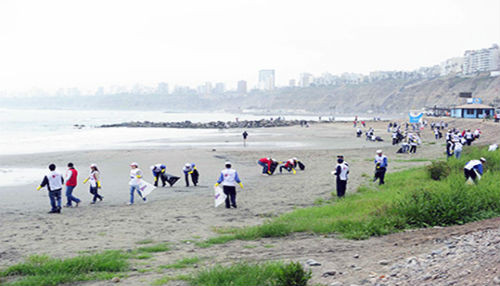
(51, 44)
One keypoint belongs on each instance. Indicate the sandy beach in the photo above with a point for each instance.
(181, 215)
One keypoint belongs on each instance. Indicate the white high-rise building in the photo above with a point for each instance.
(266, 79)
(305, 79)
(484, 60)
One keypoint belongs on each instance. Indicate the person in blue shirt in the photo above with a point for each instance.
(474, 169)
(380, 167)
(228, 179)
(190, 169)
(158, 173)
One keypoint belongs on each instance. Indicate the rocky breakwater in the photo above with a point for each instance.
(263, 123)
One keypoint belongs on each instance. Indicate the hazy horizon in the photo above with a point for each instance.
(87, 44)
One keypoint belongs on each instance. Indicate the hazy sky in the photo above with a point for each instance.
(85, 44)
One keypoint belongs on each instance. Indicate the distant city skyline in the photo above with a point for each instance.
(56, 44)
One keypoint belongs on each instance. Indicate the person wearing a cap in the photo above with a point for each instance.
(54, 182)
(71, 182)
(190, 169)
(341, 172)
(135, 180)
(158, 173)
(228, 179)
(94, 180)
(380, 167)
(474, 169)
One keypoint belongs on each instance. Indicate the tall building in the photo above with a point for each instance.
(242, 87)
(162, 88)
(484, 60)
(220, 87)
(305, 79)
(204, 89)
(266, 79)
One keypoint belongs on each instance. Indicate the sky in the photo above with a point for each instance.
(55, 44)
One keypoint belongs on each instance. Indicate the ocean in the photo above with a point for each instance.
(31, 131)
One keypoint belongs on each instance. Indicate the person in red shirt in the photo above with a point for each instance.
(71, 182)
(266, 165)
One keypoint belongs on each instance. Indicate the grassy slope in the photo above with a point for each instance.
(409, 199)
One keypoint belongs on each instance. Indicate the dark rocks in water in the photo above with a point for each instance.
(263, 123)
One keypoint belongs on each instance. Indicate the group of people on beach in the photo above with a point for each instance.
(229, 178)
(54, 182)
(269, 165)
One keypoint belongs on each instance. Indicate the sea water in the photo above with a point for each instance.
(31, 131)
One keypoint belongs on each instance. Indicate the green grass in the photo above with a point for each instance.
(161, 247)
(143, 256)
(42, 270)
(183, 263)
(245, 274)
(412, 160)
(166, 279)
(409, 199)
(144, 241)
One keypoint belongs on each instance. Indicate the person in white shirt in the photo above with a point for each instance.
(135, 181)
(341, 172)
(458, 146)
(94, 180)
(54, 182)
(229, 178)
(380, 167)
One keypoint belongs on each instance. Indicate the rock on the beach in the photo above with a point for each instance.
(496, 280)
(329, 273)
(383, 262)
(312, 262)
(336, 283)
(115, 279)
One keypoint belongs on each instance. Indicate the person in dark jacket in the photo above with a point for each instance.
(245, 136)
(54, 182)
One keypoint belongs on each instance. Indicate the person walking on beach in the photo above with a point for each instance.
(190, 169)
(71, 182)
(341, 172)
(135, 181)
(158, 173)
(228, 179)
(473, 170)
(54, 182)
(94, 182)
(380, 167)
(245, 135)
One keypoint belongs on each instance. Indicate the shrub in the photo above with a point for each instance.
(439, 170)
(293, 274)
(245, 274)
